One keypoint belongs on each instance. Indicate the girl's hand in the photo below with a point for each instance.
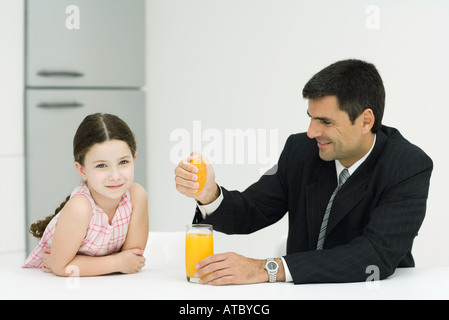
(47, 262)
(130, 261)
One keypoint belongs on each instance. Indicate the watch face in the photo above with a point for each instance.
(271, 265)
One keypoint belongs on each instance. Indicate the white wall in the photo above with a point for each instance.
(12, 212)
(243, 63)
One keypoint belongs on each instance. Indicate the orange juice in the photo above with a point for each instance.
(198, 247)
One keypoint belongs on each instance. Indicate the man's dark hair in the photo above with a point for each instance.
(357, 85)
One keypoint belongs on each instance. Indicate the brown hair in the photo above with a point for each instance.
(95, 128)
(357, 85)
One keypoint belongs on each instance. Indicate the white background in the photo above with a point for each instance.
(243, 63)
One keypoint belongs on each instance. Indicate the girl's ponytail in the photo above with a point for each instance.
(37, 229)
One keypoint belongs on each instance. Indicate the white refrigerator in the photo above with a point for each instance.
(82, 57)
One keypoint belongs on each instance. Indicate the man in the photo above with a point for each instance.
(355, 191)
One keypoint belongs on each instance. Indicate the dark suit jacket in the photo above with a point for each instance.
(374, 219)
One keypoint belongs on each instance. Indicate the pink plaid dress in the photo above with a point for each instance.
(101, 237)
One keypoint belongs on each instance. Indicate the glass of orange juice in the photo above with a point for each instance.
(199, 245)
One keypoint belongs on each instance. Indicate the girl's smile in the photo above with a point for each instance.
(115, 187)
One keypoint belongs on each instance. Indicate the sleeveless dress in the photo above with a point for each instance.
(101, 238)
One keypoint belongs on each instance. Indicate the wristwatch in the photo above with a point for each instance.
(272, 268)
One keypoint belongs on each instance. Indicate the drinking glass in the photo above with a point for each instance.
(199, 245)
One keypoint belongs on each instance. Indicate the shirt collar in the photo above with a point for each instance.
(339, 167)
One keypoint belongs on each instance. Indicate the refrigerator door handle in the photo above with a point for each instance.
(60, 73)
(52, 105)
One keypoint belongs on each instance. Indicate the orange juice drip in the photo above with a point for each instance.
(198, 247)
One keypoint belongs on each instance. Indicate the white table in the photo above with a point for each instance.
(163, 278)
(170, 283)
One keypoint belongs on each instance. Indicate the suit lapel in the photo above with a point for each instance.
(317, 196)
(350, 194)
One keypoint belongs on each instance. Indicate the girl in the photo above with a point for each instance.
(102, 227)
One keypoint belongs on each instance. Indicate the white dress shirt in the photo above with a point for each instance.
(211, 207)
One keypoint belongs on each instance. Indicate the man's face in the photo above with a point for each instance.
(337, 138)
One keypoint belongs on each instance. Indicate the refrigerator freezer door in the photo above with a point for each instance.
(106, 48)
(52, 117)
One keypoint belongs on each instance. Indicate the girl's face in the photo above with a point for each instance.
(108, 168)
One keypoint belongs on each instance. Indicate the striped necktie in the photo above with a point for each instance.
(344, 175)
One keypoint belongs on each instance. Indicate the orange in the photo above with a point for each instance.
(197, 162)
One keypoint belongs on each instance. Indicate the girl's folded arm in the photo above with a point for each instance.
(71, 230)
(137, 235)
